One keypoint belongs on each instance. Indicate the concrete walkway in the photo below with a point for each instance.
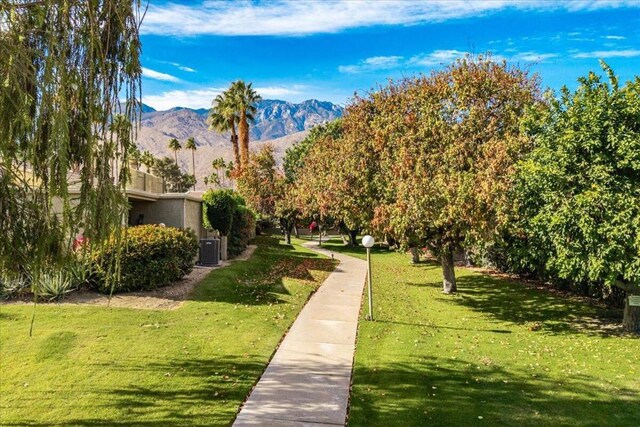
(307, 381)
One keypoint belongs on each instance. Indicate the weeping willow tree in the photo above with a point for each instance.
(64, 65)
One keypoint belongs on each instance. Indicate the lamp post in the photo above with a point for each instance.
(367, 242)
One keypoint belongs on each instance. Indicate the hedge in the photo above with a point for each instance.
(226, 211)
(218, 208)
(152, 256)
(242, 229)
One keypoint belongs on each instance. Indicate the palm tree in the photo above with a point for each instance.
(191, 145)
(135, 156)
(217, 165)
(244, 101)
(223, 117)
(174, 145)
(147, 160)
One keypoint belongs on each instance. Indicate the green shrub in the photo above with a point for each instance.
(242, 229)
(152, 256)
(218, 210)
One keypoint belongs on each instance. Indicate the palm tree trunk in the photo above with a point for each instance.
(234, 144)
(175, 155)
(193, 166)
(243, 130)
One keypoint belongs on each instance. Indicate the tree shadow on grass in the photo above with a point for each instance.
(197, 391)
(513, 302)
(432, 325)
(262, 279)
(441, 391)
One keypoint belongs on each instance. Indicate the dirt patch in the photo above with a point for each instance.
(165, 298)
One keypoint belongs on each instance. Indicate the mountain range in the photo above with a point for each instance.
(278, 122)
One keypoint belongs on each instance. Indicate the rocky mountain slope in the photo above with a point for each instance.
(278, 122)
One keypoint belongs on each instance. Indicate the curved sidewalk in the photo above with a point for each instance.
(307, 381)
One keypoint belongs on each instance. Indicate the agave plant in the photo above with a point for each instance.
(13, 287)
(52, 285)
(81, 272)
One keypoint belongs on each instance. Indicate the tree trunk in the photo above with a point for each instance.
(287, 237)
(236, 149)
(353, 234)
(631, 319)
(193, 164)
(243, 131)
(415, 255)
(295, 231)
(448, 272)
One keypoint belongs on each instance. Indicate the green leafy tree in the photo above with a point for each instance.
(332, 186)
(285, 210)
(294, 158)
(173, 179)
(62, 79)
(175, 146)
(259, 183)
(579, 190)
(427, 160)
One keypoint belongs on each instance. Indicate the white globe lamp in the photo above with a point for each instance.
(368, 241)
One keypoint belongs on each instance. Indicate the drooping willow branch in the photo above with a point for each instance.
(64, 66)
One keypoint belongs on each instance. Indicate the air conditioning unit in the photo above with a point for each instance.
(209, 252)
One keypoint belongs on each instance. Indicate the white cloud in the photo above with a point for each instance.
(202, 98)
(279, 91)
(151, 74)
(626, 53)
(182, 67)
(182, 98)
(437, 57)
(615, 37)
(298, 17)
(431, 59)
(374, 63)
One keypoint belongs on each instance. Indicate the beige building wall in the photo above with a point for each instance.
(193, 217)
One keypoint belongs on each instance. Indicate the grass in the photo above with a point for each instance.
(194, 366)
(497, 353)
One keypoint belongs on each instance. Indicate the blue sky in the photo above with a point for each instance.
(295, 50)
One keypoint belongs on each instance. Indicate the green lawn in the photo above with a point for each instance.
(190, 366)
(481, 357)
